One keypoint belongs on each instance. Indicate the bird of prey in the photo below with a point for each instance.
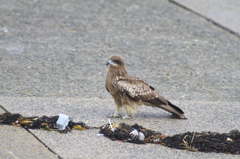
(130, 92)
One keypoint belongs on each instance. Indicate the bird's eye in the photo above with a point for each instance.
(117, 62)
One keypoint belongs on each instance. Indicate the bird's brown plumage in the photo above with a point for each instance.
(129, 92)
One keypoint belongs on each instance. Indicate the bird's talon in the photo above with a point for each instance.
(126, 117)
(114, 116)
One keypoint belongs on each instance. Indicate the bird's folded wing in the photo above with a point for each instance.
(135, 88)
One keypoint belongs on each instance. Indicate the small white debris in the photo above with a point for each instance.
(141, 136)
(134, 133)
(5, 30)
(62, 121)
(110, 124)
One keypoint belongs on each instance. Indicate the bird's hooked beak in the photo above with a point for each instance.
(110, 62)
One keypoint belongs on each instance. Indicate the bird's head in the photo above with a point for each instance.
(116, 62)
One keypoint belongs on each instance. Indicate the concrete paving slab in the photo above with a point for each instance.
(86, 144)
(2, 111)
(222, 12)
(60, 49)
(17, 143)
(202, 116)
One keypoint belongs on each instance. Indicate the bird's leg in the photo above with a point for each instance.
(117, 114)
(126, 117)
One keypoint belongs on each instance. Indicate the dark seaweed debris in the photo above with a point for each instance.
(193, 141)
(123, 132)
(8, 118)
(44, 122)
(206, 142)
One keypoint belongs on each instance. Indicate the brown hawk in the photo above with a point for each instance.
(129, 92)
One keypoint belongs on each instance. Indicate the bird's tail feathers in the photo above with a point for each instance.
(175, 107)
(172, 110)
(169, 107)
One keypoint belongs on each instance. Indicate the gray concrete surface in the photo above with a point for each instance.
(202, 116)
(222, 12)
(57, 50)
(1, 111)
(17, 143)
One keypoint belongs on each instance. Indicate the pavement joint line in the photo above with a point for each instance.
(35, 136)
(44, 144)
(208, 19)
(4, 109)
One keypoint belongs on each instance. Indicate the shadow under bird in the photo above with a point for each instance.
(130, 92)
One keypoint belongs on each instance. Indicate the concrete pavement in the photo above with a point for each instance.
(51, 49)
(17, 143)
(52, 60)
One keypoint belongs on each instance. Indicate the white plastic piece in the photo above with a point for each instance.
(110, 125)
(134, 133)
(141, 136)
(62, 121)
